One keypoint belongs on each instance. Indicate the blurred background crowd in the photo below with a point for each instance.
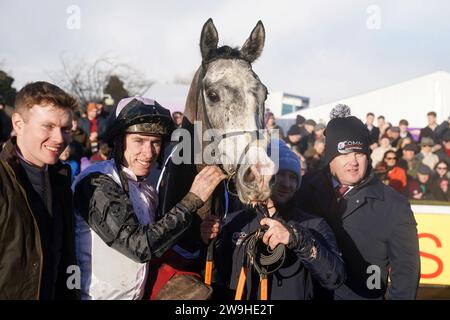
(416, 166)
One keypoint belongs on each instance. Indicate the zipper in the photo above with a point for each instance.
(39, 240)
(36, 227)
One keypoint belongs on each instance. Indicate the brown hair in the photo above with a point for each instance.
(35, 93)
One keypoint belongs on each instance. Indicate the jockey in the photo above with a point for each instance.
(115, 205)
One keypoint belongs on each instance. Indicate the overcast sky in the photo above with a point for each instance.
(323, 49)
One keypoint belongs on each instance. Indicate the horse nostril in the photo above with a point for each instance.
(249, 176)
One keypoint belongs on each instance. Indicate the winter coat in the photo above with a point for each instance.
(314, 259)
(376, 232)
(115, 235)
(21, 251)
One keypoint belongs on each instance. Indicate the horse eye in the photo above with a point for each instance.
(213, 96)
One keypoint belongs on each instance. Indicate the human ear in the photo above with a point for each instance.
(18, 123)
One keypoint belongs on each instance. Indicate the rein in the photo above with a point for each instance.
(261, 257)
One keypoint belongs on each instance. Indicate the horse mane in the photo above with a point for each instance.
(186, 173)
(190, 109)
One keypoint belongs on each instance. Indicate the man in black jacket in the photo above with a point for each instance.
(374, 132)
(37, 251)
(431, 131)
(374, 225)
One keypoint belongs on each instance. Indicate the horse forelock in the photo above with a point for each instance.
(225, 52)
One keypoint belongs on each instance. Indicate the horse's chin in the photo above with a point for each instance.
(250, 188)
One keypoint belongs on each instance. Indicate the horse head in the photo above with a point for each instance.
(227, 96)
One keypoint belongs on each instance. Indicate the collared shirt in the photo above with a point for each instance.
(19, 154)
(336, 184)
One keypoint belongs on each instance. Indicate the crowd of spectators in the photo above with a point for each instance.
(417, 167)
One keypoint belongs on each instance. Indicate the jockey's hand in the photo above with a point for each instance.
(210, 227)
(206, 181)
(276, 234)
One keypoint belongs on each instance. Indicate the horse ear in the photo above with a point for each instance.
(253, 46)
(209, 39)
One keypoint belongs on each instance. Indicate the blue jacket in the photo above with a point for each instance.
(301, 268)
(376, 231)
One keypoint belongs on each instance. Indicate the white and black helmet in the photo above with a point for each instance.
(139, 115)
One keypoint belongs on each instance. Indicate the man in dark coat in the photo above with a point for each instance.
(374, 225)
(443, 128)
(444, 153)
(37, 250)
(374, 132)
(295, 135)
(431, 130)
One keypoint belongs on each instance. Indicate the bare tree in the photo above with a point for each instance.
(183, 79)
(87, 80)
(7, 91)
